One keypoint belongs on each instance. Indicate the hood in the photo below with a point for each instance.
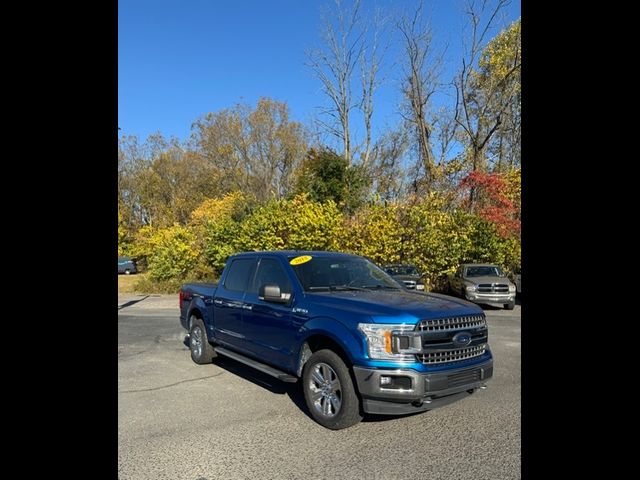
(394, 306)
(487, 279)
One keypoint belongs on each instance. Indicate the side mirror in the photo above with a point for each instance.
(271, 293)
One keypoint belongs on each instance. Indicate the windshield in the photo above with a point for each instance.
(487, 271)
(342, 273)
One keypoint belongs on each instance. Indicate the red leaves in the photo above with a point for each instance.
(491, 202)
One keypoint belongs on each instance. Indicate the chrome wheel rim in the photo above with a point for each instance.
(326, 394)
(196, 341)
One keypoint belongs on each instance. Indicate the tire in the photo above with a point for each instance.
(127, 272)
(201, 350)
(329, 391)
(510, 305)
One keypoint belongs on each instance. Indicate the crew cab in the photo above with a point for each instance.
(358, 341)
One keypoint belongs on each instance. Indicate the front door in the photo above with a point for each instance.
(267, 325)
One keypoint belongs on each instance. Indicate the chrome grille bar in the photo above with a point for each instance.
(453, 323)
(455, 355)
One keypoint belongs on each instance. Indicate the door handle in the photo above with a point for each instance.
(217, 302)
(247, 306)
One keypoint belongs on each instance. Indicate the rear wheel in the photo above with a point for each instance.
(201, 350)
(127, 272)
(329, 391)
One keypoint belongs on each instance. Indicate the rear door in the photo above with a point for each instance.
(267, 326)
(228, 301)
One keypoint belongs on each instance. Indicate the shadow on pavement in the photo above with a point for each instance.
(132, 302)
(263, 380)
(292, 390)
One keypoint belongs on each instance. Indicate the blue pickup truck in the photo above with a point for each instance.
(360, 342)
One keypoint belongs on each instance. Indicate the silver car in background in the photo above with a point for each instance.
(483, 283)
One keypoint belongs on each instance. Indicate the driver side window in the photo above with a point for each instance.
(271, 272)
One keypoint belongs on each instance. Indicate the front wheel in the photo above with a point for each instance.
(510, 305)
(329, 391)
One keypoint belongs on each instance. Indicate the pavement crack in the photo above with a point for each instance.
(170, 385)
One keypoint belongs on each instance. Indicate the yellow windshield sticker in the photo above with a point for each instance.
(300, 260)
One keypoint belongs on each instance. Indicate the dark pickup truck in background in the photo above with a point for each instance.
(359, 342)
(408, 275)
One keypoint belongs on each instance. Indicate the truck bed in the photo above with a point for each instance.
(189, 290)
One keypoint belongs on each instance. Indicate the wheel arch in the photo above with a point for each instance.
(320, 340)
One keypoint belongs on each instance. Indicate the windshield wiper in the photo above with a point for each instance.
(337, 288)
(378, 287)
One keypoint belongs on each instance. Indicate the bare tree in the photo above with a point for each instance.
(422, 69)
(370, 61)
(387, 172)
(334, 66)
(481, 104)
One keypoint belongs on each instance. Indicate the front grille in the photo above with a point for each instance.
(453, 323)
(463, 378)
(454, 355)
(493, 288)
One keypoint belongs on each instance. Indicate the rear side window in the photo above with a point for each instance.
(270, 271)
(238, 275)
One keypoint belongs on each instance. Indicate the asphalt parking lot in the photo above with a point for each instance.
(178, 420)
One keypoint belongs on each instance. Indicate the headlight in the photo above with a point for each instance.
(512, 288)
(471, 288)
(381, 339)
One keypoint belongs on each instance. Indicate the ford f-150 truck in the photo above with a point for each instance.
(359, 342)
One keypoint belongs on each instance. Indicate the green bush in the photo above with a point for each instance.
(376, 232)
(425, 234)
(216, 223)
(297, 224)
(174, 253)
(436, 242)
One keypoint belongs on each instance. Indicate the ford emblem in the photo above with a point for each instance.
(462, 339)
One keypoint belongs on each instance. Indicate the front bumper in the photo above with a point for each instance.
(491, 298)
(428, 390)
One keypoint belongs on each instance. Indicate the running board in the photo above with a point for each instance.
(279, 374)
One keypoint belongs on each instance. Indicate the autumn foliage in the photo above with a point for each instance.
(491, 201)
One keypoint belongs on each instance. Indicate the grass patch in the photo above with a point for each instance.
(146, 285)
(142, 283)
(127, 283)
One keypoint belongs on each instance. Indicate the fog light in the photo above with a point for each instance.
(385, 380)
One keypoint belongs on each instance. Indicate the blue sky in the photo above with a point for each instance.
(180, 59)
